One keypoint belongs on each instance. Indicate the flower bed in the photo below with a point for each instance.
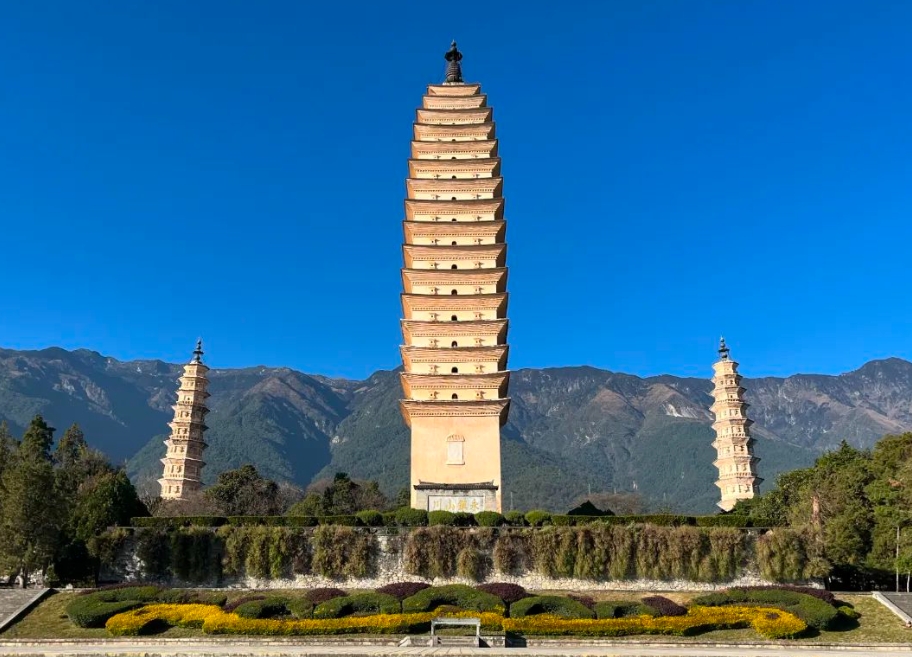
(214, 620)
(771, 623)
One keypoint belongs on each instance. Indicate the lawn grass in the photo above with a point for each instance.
(48, 620)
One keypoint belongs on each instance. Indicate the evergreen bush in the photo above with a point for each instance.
(409, 517)
(515, 518)
(271, 607)
(555, 605)
(538, 518)
(360, 603)
(370, 518)
(458, 595)
(489, 519)
(95, 608)
(441, 518)
(813, 611)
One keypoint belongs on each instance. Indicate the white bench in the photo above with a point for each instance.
(457, 621)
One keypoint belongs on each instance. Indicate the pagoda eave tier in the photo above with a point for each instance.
(495, 353)
(468, 208)
(446, 303)
(468, 252)
(453, 151)
(448, 408)
(454, 133)
(444, 278)
(461, 89)
(488, 167)
(412, 329)
(492, 230)
(458, 116)
(174, 460)
(449, 185)
(454, 102)
(492, 381)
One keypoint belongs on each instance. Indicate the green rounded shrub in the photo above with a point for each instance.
(489, 519)
(300, 607)
(458, 595)
(95, 608)
(538, 518)
(514, 518)
(441, 518)
(360, 603)
(814, 612)
(464, 519)
(370, 518)
(847, 612)
(273, 607)
(622, 609)
(556, 605)
(409, 517)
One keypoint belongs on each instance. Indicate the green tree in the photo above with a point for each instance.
(8, 446)
(71, 448)
(30, 516)
(103, 501)
(38, 439)
(243, 492)
(311, 505)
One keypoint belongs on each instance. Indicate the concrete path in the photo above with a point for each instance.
(14, 602)
(899, 603)
(257, 649)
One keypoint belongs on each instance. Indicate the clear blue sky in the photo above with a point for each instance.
(673, 171)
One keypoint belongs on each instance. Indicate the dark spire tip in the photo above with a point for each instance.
(453, 69)
(723, 348)
(198, 352)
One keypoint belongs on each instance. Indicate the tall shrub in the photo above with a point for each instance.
(340, 552)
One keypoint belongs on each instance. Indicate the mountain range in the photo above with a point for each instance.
(571, 430)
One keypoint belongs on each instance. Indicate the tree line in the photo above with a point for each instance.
(858, 503)
(54, 502)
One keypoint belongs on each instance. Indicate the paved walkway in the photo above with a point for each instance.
(901, 603)
(255, 649)
(14, 601)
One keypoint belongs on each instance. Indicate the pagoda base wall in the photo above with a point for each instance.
(459, 500)
(433, 462)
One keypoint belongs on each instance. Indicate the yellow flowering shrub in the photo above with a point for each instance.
(214, 620)
(769, 622)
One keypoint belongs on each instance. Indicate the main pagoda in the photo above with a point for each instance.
(454, 300)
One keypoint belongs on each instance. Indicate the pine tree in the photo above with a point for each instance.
(30, 516)
(7, 449)
(38, 439)
(71, 448)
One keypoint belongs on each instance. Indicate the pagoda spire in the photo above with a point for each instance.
(454, 302)
(453, 69)
(734, 445)
(183, 462)
(198, 352)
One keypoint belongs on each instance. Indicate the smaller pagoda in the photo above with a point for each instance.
(735, 458)
(183, 462)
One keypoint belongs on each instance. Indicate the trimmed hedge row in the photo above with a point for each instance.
(360, 603)
(408, 517)
(771, 623)
(94, 608)
(556, 605)
(813, 611)
(457, 595)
